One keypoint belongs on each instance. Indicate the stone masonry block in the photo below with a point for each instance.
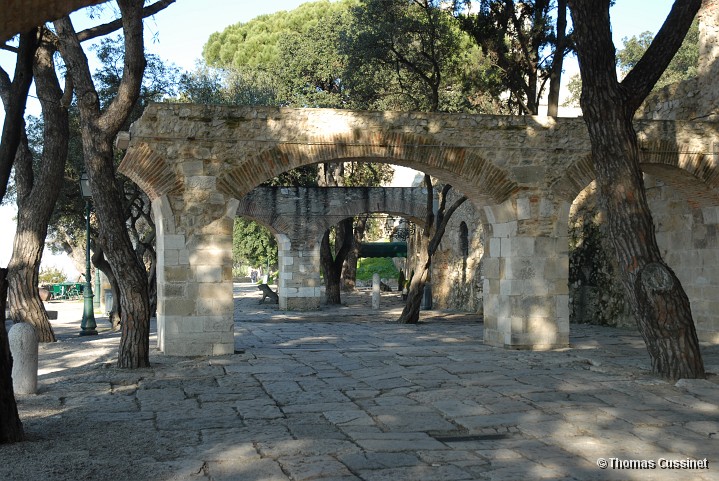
(547, 208)
(214, 290)
(179, 307)
(204, 273)
(523, 267)
(308, 292)
(192, 168)
(710, 215)
(201, 182)
(210, 256)
(303, 303)
(545, 246)
(217, 324)
(523, 208)
(491, 267)
(177, 273)
(215, 306)
(172, 257)
(562, 306)
(505, 229)
(171, 324)
(224, 348)
(174, 241)
(177, 290)
(495, 247)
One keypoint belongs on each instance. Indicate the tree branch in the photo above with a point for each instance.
(439, 233)
(429, 218)
(107, 28)
(645, 74)
(15, 108)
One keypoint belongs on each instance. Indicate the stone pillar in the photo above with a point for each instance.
(299, 286)
(195, 306)
(375, 291)
(526, 267)
(23, 347)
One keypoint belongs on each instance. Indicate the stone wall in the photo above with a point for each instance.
(687, 233)
(196, 161)
(299, 216)
(688, 236)
(457, 275)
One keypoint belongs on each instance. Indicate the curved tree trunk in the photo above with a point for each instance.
(410, 312)
(10, 425)
(14, 98)
(555, 75)
(429, 242)
(331, 273)
(98, 132)
(349, 268)
(332, 267)
(659, 302)
(36, 196)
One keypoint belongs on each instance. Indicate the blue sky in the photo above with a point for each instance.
(184, 27)
(178, 33)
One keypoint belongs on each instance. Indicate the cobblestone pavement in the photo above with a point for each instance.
(346, 394)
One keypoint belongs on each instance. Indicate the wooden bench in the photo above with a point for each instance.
(267, 292)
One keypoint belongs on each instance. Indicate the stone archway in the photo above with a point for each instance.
(299, 216)
(196, 162)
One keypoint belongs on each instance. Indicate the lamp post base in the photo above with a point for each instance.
(88, 324)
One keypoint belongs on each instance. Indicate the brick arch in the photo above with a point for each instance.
(464, 168)
(149, 171)
(696, 174)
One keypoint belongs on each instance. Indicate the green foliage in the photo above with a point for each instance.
(683, 66)
(257, 42)
(366, 267)
(575, 91)
(67, 225)
(312, 67)
(233, 86)
(253, 244)
(519, 37)
(159, 80)
(408, 56)
(51, 275)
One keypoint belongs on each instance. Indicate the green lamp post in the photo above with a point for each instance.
(87, 326)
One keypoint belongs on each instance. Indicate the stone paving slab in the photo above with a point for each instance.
(347, 395)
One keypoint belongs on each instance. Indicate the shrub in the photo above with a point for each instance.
(368, 266)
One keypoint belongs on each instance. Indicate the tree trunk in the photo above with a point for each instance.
(36, 196)
(349, 268)
(14, 98)
(659, 302)
(332, 267)
(429, 242)
(331, 273)
(555, 75)
(410, 312)
(98, 131)
(10, 426)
